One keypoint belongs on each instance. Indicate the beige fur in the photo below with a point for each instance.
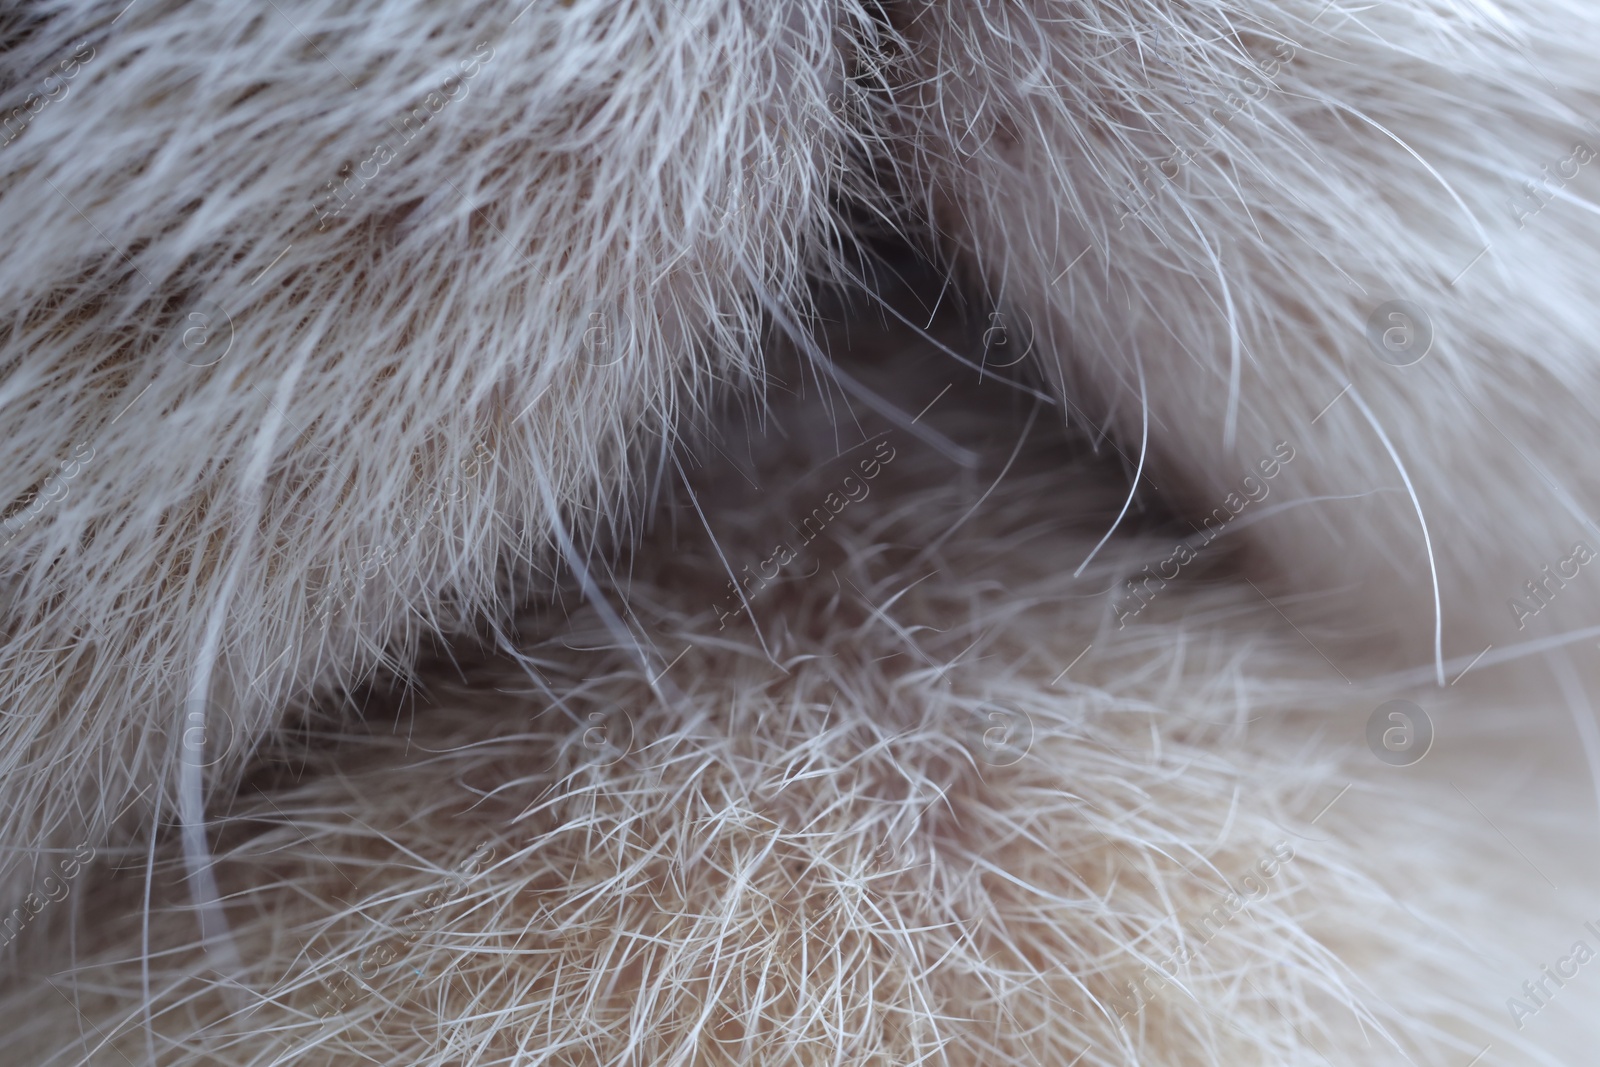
(445, 542)
(814, 848)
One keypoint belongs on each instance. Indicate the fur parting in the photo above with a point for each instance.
(340, 330)
(813, 846)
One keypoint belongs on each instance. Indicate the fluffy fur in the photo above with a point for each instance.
(1192, 214)
(404, 366)
(800, 839)
(337, 331)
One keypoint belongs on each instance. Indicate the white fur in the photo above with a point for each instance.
(460, 392)
(407, 378)
(1130, 217)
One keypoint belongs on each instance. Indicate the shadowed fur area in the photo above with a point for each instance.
(800, 532)
(870, 821)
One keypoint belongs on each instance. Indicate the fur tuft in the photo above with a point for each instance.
(843, 836)
(312, 312)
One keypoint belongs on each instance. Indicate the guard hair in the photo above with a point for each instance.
(1369, 231)
(869, 820)
(317, 316)
(643, 531)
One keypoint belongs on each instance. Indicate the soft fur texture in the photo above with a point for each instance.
(1195, 210)
(493, 383)
(813, 847)
(499, 321)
